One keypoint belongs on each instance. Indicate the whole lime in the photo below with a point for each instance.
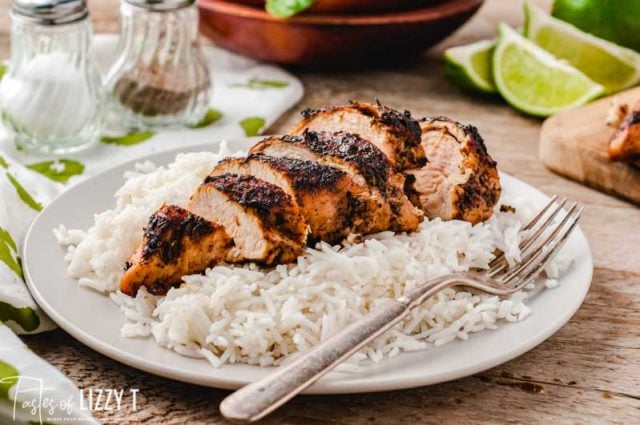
(613, 20)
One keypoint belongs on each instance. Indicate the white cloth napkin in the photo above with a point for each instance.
(248, 96)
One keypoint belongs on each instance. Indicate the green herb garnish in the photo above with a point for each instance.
(287, 8)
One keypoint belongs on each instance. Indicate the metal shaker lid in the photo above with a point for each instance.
(50, 12)
(161, 5)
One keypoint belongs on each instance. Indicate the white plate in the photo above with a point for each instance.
(95, 320)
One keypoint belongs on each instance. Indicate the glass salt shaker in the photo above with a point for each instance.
(160, 77)
(50, 94)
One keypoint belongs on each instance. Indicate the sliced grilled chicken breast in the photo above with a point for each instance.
(625, 142)
(264, 222)
(364, 162)
(461, 181)
(175, 243)
(332, 203)
(394, 133)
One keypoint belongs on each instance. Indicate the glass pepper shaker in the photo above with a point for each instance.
(50, 94)
(160, 77)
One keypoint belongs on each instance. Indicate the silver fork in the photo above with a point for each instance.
(543, 238)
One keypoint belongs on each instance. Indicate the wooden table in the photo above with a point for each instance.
(589, 372)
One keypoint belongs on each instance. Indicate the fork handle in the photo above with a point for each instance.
(262, 397)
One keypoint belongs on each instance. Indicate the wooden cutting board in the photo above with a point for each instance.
(574, 144)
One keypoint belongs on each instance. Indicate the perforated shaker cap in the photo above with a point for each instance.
(50, 12)
(161, 5)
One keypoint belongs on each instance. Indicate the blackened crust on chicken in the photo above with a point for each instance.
(306, 175)
(402, 125)
(403, 122)
(348, 205)
(309, 112)
(166, 232)
(317, 189)
(476, 142)
(400, 120)
(370, 162)
(482, 190)
(269, 202)
(176, 242)
(410, 190)
(249, 191)
(461, 182)
(396, 133)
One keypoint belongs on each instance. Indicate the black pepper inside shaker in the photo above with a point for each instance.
(160, 77)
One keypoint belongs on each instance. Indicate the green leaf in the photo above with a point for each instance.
(209, 118)
(9, 253)
(256, 83)
(23, 194)
(286, 8)
(252, 125)
(128, 139)
(8, 378)
(48, 168)
(26, 317)
(3, 163)
(3, 69)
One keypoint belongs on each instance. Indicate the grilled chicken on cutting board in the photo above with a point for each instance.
(396, 134)
(625, 142)
(176, 242)
(360, 168)
(460, 181)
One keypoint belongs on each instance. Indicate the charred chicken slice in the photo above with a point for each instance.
(332, 203)
(363, 161)
(264, 222)
(625, 142)
(460, 181)
(175, 243)
(396, 134)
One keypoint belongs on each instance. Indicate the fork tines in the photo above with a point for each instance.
(544, 236)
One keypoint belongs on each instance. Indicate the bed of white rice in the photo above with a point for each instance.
(250, 315)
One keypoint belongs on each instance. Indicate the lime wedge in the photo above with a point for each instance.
(535, 82)
(470, 66)
(606, 63)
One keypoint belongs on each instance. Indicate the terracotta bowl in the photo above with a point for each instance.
(383, 39)
(353, 6)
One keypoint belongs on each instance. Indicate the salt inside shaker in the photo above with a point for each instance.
(160, 77)
(51, 93)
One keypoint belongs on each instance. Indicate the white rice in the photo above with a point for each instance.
(250, 315)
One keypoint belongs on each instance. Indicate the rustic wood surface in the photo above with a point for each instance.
(575, 144)
(589, 372)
